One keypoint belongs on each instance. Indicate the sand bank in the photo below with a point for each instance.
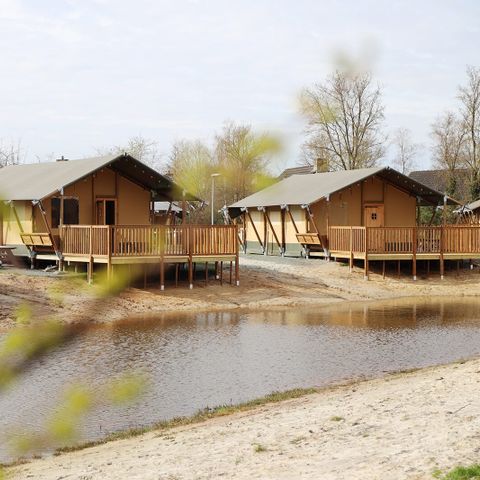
(403, 426)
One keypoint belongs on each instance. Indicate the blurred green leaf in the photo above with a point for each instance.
(126, 389)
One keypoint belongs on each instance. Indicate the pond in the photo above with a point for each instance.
(207, 359)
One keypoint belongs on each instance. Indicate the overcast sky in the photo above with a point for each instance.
(76, 75)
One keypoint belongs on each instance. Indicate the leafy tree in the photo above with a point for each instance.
(243, 158)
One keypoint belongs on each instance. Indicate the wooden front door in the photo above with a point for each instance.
(106, 211)
(374, 216)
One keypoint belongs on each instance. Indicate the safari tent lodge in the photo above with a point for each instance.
(105, 210)
(368, 214)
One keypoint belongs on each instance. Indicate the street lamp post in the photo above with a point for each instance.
(213, 175)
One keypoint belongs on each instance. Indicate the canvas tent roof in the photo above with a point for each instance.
(36, 181)
(473, 205)
(308, 189)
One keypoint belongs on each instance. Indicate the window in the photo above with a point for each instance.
(55, 212)
(374, 216)
(70, 211)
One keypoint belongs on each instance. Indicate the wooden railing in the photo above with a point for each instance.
(149, 240)
(347, 239)
(447, 239)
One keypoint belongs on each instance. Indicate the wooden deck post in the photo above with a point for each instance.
(414, 253)
(265, 230)
(383, 269)
(221, 273)
(90, 258)
(244, 233)
(442, 266)
(109, 252)
(282, 218)
(206, 273)
(365, 263)
(162, 274)
(350, 259)
(190, 258)
(237, 271)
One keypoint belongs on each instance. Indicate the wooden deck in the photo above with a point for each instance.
(449, 242)
(150, 244)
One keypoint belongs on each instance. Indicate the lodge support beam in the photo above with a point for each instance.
(255, 230)
(287, 208)
(274, 233)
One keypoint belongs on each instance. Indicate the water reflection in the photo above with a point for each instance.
(206, 359)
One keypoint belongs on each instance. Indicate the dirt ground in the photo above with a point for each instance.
(403, 426)
(265, 282)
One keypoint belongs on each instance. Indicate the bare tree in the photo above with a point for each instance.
(405, 150)
(449, 147)
(344, 116)
(243, 158)
(143, 149)
(11, 153)
(469, 96)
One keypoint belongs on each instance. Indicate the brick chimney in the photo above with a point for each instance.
(321, 165)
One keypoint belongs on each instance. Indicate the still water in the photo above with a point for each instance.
(207, 359)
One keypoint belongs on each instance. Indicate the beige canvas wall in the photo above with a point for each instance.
(275, 215)
(10, 229)
(133, 201)
(133, 205)
(345, 207)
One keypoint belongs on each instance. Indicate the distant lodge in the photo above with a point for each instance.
(368, 214)
(109, 211)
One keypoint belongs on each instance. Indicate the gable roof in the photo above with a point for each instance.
(36, 181)
(308, 189)
(438, 180)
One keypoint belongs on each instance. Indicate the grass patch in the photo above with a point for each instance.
(335, 418)
(259, 448)
(200, 416)
(461, 473)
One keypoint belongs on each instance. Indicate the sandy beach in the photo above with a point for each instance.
(265, 283)
(403, 426)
